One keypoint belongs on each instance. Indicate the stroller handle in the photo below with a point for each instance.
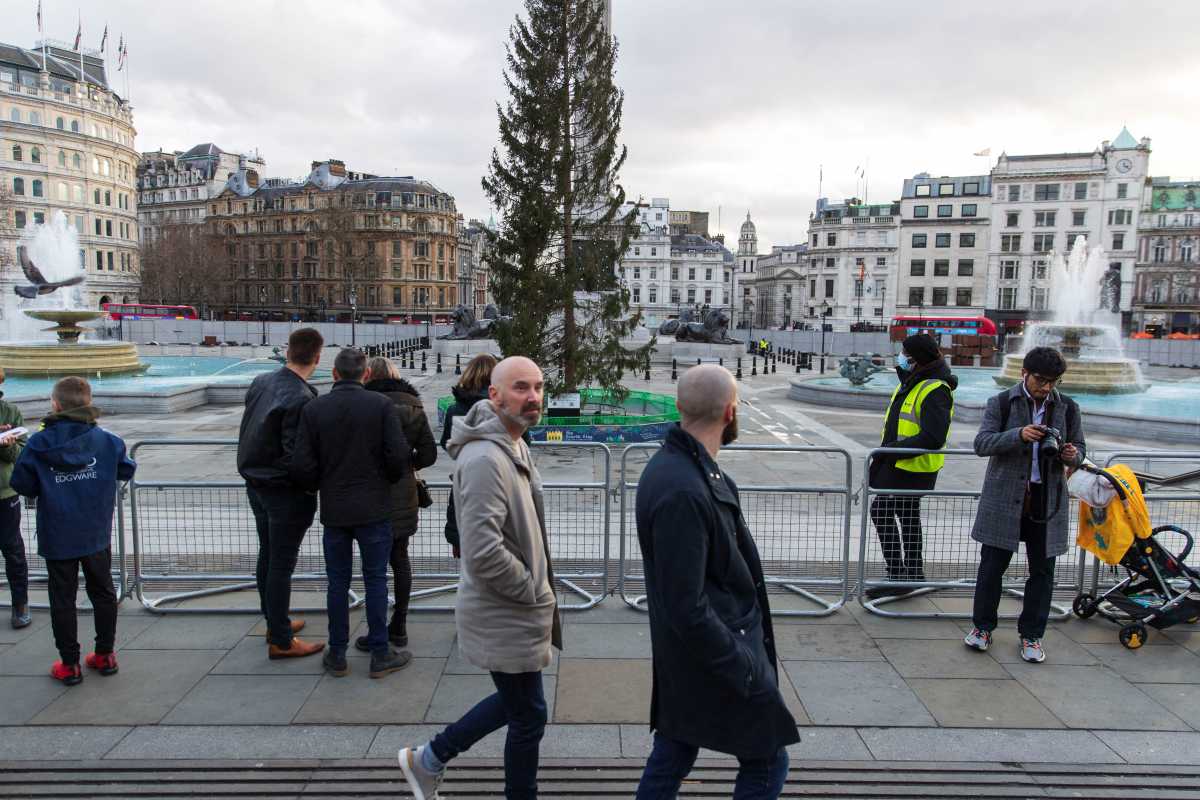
(1176, 529)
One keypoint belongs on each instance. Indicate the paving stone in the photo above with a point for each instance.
(938, 658)
(879, 627)
(403, 696)
(41, 621)
(205, 742)
(792, 699)
(34, 654)
(1183, 699)
(457, 694)
(148, 686)
(612, 610)
(1060, 649)
(1092, 697)
(188, 632)
(25, 696)
(596, 690)
(59, 743)
(607, 640)
(962, 606)
(249, 657)
(951, 744)
(825, 643)
(982, 703)
(243, 700)
(426, 639)
(316, 624)
(1100, 631)
(816, 744)
(1171, 664)
(1186, 636)
(856, 693)
(1143, 747)
(560, 741)
(456, 664)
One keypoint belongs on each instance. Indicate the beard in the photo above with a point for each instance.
(525, 418)
(730, 433)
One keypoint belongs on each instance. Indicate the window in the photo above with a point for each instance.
(1045, 191)
(962, 297)
(674, 275)
(1124, 216)
(969, 209)
(966, 268)
(708, 274)
(1010, 243)
(691, 273)
(691, 297)
(940, 296)
(829, 263)
(916, 295)
(1118, 241)
(18, 186)
(917, 267)
(966, 240)
(1012, 219)
(37, 188)
(1044, 219)
(945, 189)
(920, 212)
(923, 190)
(637, 294)
(62, 158)
(652, 294)
(829, 287)
(1185, 250)
(1081, 191)
(1078, 218)
(74, 126)
(945, 211)
(941, 268)
(971, 187)
(831, 239)
(1160, 252)
(919, 239)
(1037, 298)
(637, 273)
(1008, 298)
(1039, 269)
(708, 297)
(1010, 270)
(1122, 191)
(63, 192)
(942, 240)
(1014, 193)
(35, 155)
(1043, 242)
(19, 219)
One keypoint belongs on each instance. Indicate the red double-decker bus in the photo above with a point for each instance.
(981, 326)
(148, 311)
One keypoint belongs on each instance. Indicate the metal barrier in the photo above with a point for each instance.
(38, 576)
(202, 534)
(802, 532)
(943, 520)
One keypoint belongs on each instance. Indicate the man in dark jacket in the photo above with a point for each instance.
(918, 418)
(283, 511)
(715, 673)
(351, 447)
(12, 545)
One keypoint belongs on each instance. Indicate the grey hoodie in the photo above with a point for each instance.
(506, 612)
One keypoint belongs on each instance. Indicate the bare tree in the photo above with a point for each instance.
(8, 227)
(182, 265)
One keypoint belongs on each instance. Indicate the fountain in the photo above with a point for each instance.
(1084, 329)
(49, 258)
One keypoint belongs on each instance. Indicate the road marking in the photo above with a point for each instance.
(829, 434)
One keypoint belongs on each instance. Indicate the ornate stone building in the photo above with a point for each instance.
(337, 241)
(852, 252)
(1167, 294)
(175, 187)
(66, 144)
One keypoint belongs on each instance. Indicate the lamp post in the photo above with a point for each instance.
(824, 314)
(353, 315)
(324, 306)
(262, 312)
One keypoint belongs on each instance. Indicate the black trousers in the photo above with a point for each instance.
(12, 546)
(63, 585)
(1039, 586)
(901, 542)
(402, 575)
(282, 517)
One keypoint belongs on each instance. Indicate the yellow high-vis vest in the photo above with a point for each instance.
(909, 424)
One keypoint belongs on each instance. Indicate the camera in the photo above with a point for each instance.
(1052, 444)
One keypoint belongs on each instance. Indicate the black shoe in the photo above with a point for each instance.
(396, 640)
(335, 664)
(391, 661)
(878, 592)
(21, 618)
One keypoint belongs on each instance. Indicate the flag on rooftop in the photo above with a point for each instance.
(39, 16)
(78, 35)
(104, 39)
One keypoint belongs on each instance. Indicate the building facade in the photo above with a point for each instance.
(1042, 203)
(745, 274)
(336, 243)
(472, 265)
(779, 286)
(1166, 297)
(67, 145)
(943, 254)
(852, 251)
(174, 188)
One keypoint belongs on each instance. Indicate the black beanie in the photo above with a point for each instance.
(923, 348)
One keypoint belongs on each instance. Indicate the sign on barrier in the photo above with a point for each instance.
(932, 529)
(802, 532)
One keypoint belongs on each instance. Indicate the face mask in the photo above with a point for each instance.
(903, 362)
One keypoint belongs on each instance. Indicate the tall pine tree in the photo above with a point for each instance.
(554, 180)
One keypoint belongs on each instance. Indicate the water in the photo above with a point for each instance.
(54, 250)
(166, 372)
(1084, 292)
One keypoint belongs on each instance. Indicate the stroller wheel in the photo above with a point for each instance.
(1084, 606)
(1134, 635)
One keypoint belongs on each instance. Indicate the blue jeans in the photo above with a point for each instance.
(518, 703)
(670, 762)
(374, 549)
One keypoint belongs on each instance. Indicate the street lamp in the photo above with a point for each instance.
(324, 306)
(824, 314)
(262, 312)
(353, 315)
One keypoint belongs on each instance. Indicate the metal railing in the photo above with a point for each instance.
(940, 522)
(801, 531)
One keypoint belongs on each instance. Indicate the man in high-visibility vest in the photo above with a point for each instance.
(918, 417)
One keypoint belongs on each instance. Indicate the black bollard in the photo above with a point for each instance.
(423, 367)
(739, 369)
(647, 370)
(674, 369)
(439, 363)
(774, 360)
(457, 364)
(721, 362)
(697, 361)
(797, 366)
(753, 366)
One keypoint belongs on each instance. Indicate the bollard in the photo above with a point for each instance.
(739, 368)
(439, 363)
(753, 366)
(647, 370)
(721, 362)
(774, 361)
(423, 367)
(674, 369)
(797, 366)
(457, 364)
(697, 361)
(412, 359)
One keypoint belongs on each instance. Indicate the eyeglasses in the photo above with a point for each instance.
(1043, 380)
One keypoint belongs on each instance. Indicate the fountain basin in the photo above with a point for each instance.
(1095, 362)
(49, 359)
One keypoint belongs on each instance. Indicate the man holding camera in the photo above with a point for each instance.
(1030, 432)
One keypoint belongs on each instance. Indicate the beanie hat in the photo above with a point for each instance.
(923, 348)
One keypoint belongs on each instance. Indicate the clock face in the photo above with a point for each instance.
(1124, 165)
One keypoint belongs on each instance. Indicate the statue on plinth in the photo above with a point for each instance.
(466, 326)
(713, 329)
(859, 369)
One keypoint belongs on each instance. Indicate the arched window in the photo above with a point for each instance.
(35, 118)
(77, 193)
(18, 186)
(63, 192)
(77, 161)
(15, 115)
(74, 126)
(104, 301)
(60, 123)
(17, 152)
(105, 167)
(37, 188)
(35, 155)
(1160, 251)
(1185, 250)
(62, 158)
(19, 219)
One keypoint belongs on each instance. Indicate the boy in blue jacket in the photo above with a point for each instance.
(72, 466)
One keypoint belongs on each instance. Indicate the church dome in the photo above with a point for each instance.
(748, 228)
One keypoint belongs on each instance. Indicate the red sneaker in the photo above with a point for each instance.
(68, 674)
(106, 663)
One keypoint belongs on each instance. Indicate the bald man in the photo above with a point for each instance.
(715, 674)
(507, 612)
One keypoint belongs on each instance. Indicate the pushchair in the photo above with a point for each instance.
(1160, 589)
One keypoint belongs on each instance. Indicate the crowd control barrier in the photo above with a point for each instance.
(943, 519)
(197, 539)
(802, 532)
(37, 567)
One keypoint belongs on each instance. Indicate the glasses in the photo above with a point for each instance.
(1043, 380)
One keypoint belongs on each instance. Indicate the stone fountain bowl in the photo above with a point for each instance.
(65, 316)
(67, 355)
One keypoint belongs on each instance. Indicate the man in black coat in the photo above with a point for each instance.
(282, 510)
(715, 675)
(351, 447)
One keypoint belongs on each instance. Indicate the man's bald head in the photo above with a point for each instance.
(516, 392)
(514, 366)
(705, 391)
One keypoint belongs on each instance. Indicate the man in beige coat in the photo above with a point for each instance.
(507, 612)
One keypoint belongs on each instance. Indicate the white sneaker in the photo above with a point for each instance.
(423, 783)
(1031, 651)
(978, 640)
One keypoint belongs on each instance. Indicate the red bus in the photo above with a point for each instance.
(981, 326)
(148, 311)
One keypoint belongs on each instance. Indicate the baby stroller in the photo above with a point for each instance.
(1159, 589)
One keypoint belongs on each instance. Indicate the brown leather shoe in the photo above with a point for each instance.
(297, 625)
(298, 649)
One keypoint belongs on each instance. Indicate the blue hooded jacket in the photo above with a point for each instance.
(72, 466)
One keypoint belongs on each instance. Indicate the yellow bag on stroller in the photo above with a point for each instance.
(1108, 532)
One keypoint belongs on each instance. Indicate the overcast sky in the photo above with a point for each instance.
(728, 105)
